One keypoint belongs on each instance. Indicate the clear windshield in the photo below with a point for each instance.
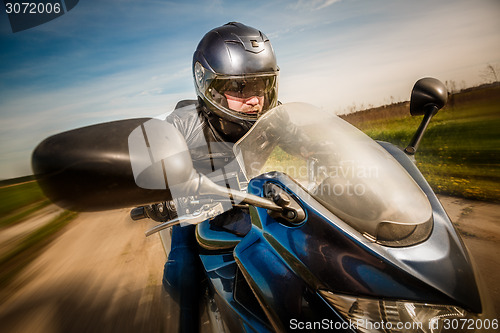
(342, 168)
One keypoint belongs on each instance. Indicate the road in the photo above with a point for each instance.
(100, 275)
(103, 275)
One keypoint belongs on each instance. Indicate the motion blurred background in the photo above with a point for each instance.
(62, 271)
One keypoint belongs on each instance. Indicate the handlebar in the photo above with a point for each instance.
(138, 213)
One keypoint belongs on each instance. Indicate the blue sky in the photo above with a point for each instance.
(108, 60)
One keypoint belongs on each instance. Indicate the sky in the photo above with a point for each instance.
(118, 59)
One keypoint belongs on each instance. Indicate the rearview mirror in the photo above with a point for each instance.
(123, 164)
(427, 97)
(113, 165)
(427, 93)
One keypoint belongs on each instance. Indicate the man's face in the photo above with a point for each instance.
(248, 105)
(246, 96)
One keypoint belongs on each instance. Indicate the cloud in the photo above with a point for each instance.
(364, 60)
(326, 3)
(28, 116)
(312, 5)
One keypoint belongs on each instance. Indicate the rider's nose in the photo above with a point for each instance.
(254, 100)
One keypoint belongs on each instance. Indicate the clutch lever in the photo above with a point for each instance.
(207, 211)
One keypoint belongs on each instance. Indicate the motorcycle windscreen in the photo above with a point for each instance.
(342, 168)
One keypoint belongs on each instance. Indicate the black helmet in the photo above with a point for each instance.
(235, 62)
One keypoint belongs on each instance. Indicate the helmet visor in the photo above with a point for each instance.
(245, 96)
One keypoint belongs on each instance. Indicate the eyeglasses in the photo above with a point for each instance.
(244, 88)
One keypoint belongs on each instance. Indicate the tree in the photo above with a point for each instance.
(452, 86)
(490, 73)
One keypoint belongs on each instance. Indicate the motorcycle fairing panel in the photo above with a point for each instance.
(337, 260)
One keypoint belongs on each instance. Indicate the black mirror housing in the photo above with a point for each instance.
(96, 168)
(427, 97)
(427, 93)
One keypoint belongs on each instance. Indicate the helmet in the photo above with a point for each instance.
(232, 64)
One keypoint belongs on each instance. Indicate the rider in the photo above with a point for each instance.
(236, 80)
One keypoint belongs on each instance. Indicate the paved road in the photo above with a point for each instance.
(102, 275)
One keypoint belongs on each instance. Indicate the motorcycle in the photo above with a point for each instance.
(345, 232)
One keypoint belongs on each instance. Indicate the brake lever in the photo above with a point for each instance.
(207, 211)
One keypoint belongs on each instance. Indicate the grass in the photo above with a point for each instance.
(295, 165)
(19, 215)
(460, 152)
(19, 200)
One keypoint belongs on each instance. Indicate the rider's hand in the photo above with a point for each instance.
(161, 212)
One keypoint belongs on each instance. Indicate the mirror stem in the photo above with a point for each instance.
(411, 149)
(254, 200)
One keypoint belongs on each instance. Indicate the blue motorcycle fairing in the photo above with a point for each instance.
(444, 249)
(285, 293)
(221, 271)
(286, 265)
(213, 236)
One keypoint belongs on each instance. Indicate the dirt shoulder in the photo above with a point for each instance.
(12, 235)
(100, 275)
(479, 224)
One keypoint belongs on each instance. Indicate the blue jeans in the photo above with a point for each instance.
(181, 276)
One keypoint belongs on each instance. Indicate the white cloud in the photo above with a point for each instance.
(325, 3)
(312, 5)
(371, 61)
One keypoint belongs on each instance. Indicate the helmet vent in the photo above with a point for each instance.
(254, 44)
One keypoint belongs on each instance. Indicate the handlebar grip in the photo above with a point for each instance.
(138, 213)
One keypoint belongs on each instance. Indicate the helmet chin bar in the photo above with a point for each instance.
(230, 130)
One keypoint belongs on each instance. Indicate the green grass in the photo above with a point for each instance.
(460, 152)
(296, 167)
(20, 200)
(19, 215)
(17, 196)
